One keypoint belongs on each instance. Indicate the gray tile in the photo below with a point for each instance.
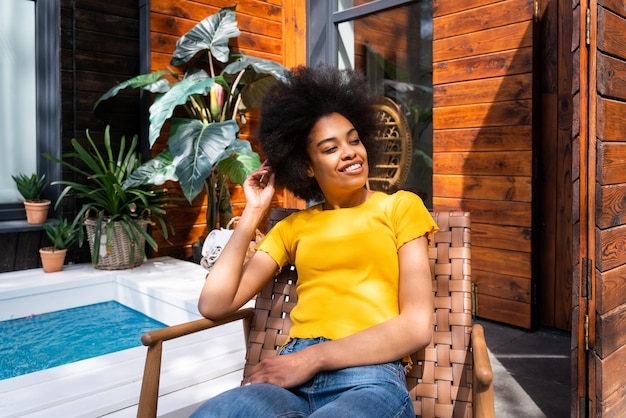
(531, 371)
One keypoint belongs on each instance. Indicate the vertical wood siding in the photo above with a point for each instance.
(609, 354)
(482, 146)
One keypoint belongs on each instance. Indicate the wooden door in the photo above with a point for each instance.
(599, 353)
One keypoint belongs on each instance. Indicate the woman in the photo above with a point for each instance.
(364, 282)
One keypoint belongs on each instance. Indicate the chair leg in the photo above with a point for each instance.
(149, 397)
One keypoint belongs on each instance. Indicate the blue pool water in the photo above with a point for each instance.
(39, 342)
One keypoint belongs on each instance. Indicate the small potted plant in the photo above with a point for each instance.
(31, 187)
(62, 234)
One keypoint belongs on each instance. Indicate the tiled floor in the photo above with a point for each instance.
(531, 371)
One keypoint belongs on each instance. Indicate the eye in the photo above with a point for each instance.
(355, 141)
(329, 150)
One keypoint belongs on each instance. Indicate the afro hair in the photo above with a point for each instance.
(291, 109)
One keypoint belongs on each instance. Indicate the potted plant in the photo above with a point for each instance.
(31, 187)
(116, 216)
(62, 234)
(204, 103)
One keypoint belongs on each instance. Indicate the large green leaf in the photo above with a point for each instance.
(163, 107)
(151, 82)
(212, 34)
(198, 147)
(258, 65)
(260, 74)
(238, 166)
(155, 171)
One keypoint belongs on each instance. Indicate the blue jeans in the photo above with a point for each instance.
(377, 391)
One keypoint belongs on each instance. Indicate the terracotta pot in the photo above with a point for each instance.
(36, 211)
(52, 261)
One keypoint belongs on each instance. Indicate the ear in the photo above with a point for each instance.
(309, 171)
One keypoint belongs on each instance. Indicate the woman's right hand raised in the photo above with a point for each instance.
(259, 187)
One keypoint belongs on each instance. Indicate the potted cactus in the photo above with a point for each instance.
(31, 187)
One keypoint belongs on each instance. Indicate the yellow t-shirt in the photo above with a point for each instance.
(347, 261)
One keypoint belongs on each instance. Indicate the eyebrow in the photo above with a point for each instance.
(323, 141)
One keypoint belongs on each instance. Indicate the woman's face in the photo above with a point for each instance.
(338, 158)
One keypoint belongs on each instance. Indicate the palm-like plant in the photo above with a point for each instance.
(104, 197)
(204, 147)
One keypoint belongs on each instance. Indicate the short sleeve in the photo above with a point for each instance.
(411, 218)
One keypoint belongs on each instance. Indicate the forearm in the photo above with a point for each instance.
(389, 341)
(223, 283)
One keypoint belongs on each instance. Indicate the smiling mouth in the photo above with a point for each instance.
(350, 168)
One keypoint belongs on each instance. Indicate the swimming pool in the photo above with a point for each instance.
(38, 342)
(164, 289)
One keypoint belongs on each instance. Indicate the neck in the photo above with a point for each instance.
(347, 201)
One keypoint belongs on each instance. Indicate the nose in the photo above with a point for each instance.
(347, 152)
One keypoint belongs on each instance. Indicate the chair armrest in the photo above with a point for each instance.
(483, 375)
(164, 334)
(149, 395)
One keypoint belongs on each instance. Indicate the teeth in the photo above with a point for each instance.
(352, 167)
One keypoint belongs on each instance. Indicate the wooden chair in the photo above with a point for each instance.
(451, 377)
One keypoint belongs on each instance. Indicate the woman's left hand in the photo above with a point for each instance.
(286, 371)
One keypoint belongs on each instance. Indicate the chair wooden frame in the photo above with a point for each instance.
(451, 377)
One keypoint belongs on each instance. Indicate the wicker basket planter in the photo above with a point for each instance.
(116, 254)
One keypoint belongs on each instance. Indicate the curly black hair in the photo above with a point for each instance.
(291, 109)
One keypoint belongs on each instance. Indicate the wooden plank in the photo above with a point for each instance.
(193, 9)
(490, 90)
(612, 162)
(444, 7)
(498, 309)
(502, 163)
(518, 112)
(177, 26)
(611, 251)
(490, 65)
(611, 119)
(611, 327)
(512, 138)
(610, 380)
(610, 39)
(103, 20)
(502, 286)
(611, 81)
(510, 263)
(488, 211)
(616, 6)
(9, 251)
(611, 210)
(487, 41)
(484, 187)
(512, 238)
(489, 16)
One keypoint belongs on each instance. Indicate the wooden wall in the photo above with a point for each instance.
(482, 146)
(608, 353)
(270, 29)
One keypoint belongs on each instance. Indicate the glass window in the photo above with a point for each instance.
(30, 103)
(18, 152)
(391, 42)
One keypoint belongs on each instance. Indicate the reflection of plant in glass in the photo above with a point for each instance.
(204, 147)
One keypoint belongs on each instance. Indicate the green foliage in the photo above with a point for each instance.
(104, 197)
(30, 187)
(204, 145)
(62, 234)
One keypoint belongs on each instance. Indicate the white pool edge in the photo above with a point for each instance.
(165, 289)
